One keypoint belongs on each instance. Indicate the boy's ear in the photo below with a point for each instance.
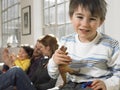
(102, 21)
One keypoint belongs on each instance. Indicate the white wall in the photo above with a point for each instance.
(112, 23)
(0, 27)
(36, 21)
(37, 18)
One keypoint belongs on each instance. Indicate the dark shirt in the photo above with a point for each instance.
(34, 65)
(41, 78)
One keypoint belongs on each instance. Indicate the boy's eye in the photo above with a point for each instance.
(92, 18)
(80, 17)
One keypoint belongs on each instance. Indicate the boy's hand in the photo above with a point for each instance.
(98, 85)
(60, 57)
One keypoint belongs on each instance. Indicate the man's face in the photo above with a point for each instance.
(37, 51)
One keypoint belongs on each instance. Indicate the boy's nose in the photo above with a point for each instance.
(85, 22)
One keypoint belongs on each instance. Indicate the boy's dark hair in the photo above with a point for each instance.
(28, 50)
(96, 7)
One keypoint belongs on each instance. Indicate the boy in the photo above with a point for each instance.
(93, 53)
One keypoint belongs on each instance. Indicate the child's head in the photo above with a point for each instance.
(25, 52)
(48, 45)
(96, 7)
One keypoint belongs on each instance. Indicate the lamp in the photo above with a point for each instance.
(12, 41)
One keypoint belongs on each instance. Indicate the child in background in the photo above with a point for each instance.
(22, 59)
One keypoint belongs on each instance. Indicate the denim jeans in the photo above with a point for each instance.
(15, 77)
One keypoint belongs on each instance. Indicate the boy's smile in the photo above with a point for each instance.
(85, 24)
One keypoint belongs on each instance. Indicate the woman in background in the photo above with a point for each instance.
(40, 78)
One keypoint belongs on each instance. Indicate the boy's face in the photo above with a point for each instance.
(85, 24)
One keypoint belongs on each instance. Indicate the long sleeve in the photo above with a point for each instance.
(41, 78)
(99, 59)
(53, 69)
(113, 83)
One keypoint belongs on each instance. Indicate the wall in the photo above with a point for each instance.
(37, 18)
(36, 21)
(0, 26)
(112, 23)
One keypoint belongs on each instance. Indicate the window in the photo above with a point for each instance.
(56, 18)
(11, 19)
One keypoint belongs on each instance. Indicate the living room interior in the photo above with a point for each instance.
(24, 21)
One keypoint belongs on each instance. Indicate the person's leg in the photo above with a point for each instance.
(10, 88)
(79, 87)
(23, 82)
(0, 72)
(15, 77)
(69, 86)
(74, 86)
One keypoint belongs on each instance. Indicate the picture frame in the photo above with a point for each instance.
(26, 20)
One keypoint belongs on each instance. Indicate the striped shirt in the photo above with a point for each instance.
(95, 60)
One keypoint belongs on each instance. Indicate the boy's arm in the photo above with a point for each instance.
(53, 69)
(113, 83)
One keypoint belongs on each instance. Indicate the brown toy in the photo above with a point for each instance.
(63, 69)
